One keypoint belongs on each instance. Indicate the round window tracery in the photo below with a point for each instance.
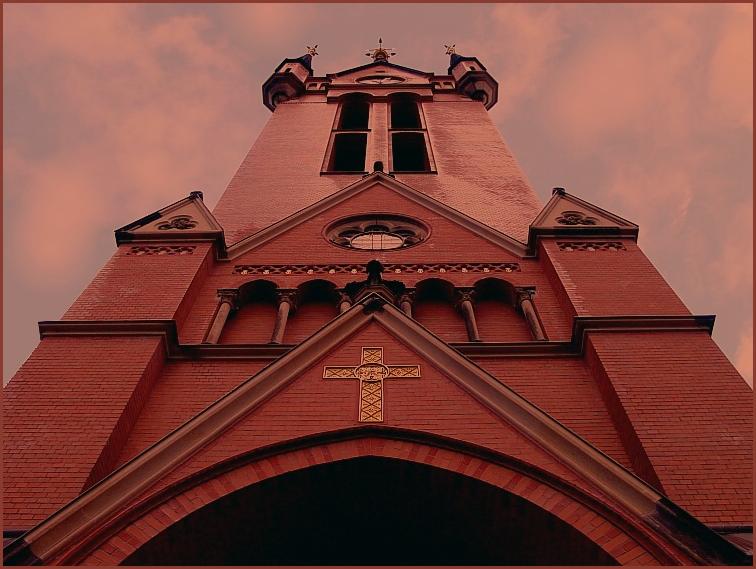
(376, 232)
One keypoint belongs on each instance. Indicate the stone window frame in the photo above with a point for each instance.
(327, 166)
(423, 129)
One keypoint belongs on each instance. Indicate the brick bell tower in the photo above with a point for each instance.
(378, 348)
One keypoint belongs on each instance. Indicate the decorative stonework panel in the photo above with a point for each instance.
(591, 246)
(182, 222)
(371, 372)
(162, 250)
(576, 218)
(388, 268)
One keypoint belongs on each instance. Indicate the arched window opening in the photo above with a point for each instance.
(253, 322)
(317, 304)
(354, 114)
(434, 307)
(405, 112)
(409, 153)
(496, 315)
(349, 137)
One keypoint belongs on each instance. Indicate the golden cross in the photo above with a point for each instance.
(371, 372)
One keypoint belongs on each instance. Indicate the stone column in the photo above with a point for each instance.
(345, 302)
(405, 303)
(465, 305)
(286, 302)
(525, 300)
(228, 298)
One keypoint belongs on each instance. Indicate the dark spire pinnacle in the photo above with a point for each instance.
(454, 58)
(306, 59)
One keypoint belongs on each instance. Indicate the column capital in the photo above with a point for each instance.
(287, 295)
(465, 294)
(344, 297)
(229, 296)
(523, 293)
(408, 296)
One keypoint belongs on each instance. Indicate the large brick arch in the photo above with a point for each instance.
(615, 532)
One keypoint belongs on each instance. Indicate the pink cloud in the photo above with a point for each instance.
(730, 78)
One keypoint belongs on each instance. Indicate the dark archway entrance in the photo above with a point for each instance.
(370, 511)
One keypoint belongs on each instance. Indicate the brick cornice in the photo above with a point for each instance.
(582, 325)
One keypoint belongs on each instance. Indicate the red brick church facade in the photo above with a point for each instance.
(379, 348)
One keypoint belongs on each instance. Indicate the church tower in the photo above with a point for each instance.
(378, 348)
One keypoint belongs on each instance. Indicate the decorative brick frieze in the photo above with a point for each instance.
(591, 246)
(356, 268)
(161, 250)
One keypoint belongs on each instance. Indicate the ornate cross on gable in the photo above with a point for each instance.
(371, 372)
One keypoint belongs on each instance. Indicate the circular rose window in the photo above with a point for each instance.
(376, 232)
(381, 79)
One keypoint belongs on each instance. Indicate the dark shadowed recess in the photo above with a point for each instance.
(370, 511)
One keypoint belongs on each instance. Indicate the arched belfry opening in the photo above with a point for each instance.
(370, 511)
(496, 313)
(253, 321)
(435, 307)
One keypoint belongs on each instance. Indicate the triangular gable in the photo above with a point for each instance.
(114, 492)
(416, 396)
(566, 214)
(395, 69)
(275, 230)
(308, 239)
(186, 219)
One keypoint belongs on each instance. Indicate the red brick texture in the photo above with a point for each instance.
(280, 175)
(132, 287)
(692, 414)
(185, 388)
(66, 413)
(565, 388)
(611, 283)
(623, 540)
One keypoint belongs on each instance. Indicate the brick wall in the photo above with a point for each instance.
(610, 283)
(66, 413)
(132, 287)
(691, 412)
(251, 324)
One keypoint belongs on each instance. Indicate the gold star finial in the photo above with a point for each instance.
(450, 49)
(313, 51)
(380, 53)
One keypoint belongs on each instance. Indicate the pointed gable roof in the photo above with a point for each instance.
(186, 220)
(115, 491)
(566, 214)
(272, 231)
(381, 63)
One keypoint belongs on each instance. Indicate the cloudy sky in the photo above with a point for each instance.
(112, 111)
